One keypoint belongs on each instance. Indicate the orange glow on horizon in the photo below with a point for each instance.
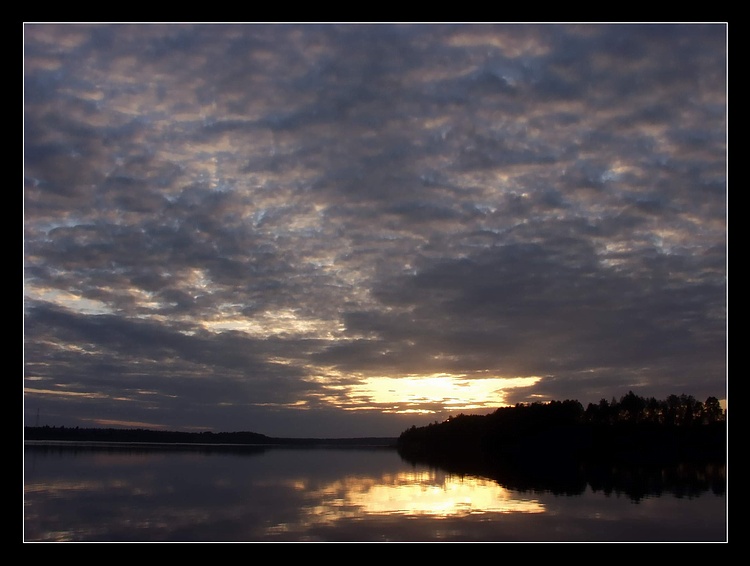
(432, 393)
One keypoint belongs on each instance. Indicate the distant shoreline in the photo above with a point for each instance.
(62, 436)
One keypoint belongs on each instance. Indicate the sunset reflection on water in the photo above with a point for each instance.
(430, 493)
(322, 495)
(419, 494)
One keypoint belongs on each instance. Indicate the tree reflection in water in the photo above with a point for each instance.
(285, 494)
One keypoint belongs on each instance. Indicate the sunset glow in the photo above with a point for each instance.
(426, 394)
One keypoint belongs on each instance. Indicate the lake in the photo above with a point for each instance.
(79, 492)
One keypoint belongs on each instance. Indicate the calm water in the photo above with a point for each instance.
(114, 494)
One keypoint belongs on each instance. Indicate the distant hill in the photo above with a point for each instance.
(76, 434)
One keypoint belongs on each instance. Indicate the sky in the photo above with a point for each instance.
(345, 230)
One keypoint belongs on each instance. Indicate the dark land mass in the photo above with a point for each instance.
(633, 429)
(482, 439)
(635, 446)
(116, 435)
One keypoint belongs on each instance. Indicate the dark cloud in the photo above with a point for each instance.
(241, 226)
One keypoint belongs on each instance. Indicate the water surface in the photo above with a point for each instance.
(87, 493)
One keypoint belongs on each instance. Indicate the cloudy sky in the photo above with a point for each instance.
(344, 230)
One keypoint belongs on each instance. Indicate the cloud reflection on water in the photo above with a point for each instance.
(106, 495)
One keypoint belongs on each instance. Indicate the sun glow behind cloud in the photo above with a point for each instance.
(432, 393)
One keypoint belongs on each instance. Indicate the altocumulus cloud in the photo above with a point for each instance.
(344, 230)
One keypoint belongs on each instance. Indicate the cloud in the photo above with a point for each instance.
(232, 219)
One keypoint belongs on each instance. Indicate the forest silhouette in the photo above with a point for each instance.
(634, 429)
(636, 446)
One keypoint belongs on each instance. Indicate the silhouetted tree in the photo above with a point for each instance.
(712, 412)
(631, 408)
(653, 412)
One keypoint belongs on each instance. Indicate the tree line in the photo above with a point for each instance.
(675, 410)
(630, 428)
